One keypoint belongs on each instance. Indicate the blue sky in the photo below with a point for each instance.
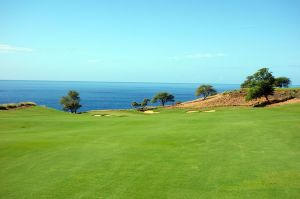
(149, 40)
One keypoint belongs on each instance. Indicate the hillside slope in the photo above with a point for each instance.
(237, 98)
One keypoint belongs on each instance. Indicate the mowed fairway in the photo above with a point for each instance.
(231, 153)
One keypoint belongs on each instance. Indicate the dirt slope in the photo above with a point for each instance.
(237, 98)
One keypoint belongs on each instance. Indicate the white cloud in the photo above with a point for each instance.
(4, 48)
(198, 56)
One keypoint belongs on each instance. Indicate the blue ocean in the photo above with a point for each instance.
(95, 95)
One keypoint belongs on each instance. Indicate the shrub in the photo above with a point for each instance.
(12, 105)
(226, 93)
(136, 105)
(3, 107)
(141, 106)
(145, 103)
(16, 105)
(26, 104)
(178, 102)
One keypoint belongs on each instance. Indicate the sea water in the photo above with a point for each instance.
(96, 95)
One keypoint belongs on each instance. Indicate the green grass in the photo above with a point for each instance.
(232, 153)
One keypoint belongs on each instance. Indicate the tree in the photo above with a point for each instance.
(135, 105)
(247, 82)
(163, 98)
(282, 82)
(71, 102)
(140, 106)
(205, 90)
(262, 89)
(145, 103)
(260, 84)
(262, 74)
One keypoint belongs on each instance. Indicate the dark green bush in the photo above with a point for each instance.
(178, 102)
(16, 105)
(26, 104)
(12, 105)
(3, 107)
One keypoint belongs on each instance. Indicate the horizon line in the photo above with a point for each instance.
(116, 81)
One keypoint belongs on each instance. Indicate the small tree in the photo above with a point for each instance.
(71, 102)
(262, 74)
(140, 106)
(145, 103)
(262, 89)
(135, 105)
(260, 84)
(282, 82)
(247, 82)
(163, 98)
(205, 90)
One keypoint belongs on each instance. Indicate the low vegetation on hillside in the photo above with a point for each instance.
(238, 98)
(16, 105)
(259, 89)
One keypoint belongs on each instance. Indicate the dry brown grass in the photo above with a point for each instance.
(237, 98)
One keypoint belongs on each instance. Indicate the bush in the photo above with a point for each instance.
(297, 94)
(26, 104)
(12, 105)
(178, 102)
(16, 105)
(294, 93)
(3, 107)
